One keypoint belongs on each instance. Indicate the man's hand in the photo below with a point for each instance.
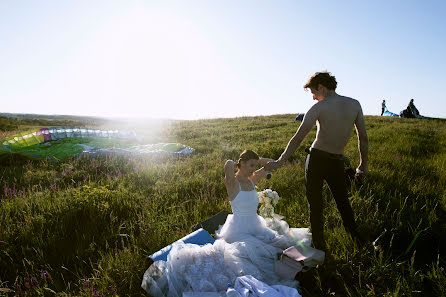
(271, 166)
(360, 173)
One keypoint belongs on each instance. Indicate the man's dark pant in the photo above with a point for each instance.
(320, 166)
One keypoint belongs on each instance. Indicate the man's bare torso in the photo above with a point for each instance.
(335, 118)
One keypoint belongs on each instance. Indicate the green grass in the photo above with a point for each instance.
(90, 223)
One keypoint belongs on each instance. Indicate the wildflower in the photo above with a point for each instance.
(86, 284)
(43, 275)
(34, 281)
(94, 292)
(213, 192)
(112, 290)
(26, 280)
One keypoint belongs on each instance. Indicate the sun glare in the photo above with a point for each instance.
(147, 64)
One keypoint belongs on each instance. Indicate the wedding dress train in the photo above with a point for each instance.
(245, 245)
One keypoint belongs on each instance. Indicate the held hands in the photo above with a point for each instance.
(272, 165)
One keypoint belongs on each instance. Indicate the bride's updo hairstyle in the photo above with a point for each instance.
(246, 156)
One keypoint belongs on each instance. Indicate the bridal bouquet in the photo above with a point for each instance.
(268, 199)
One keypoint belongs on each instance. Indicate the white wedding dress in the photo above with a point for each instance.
(244, 245)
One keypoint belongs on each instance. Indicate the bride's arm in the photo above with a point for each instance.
(230, 180)
(229, 173)
(261, 173)
(257, 175)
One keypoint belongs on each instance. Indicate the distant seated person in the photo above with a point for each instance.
(411, 107)
(300, 117)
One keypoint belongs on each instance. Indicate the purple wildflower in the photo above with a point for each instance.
(44, 274)
(26, 280)
(86, 284)
(213, 196)
(14, 191)
(34, 281)
(112, 290)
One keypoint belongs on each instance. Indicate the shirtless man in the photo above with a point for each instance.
(335, 117)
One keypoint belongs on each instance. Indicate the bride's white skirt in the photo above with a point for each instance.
(244, 246)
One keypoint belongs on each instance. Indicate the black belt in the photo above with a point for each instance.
(324, 153)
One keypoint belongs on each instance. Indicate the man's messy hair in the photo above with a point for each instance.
(324, 78)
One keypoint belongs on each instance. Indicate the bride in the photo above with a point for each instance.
(244, 245)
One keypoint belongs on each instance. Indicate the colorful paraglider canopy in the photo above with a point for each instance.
(23, 139)
(56, 143)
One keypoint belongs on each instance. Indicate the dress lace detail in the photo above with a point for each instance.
(244, 245)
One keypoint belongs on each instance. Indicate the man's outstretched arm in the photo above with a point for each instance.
(306, 126)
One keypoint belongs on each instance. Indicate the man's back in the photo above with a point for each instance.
(335, 117)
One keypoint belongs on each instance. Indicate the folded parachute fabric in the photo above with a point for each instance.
(390, 114)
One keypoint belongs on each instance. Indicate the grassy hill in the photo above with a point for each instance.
(89, 223)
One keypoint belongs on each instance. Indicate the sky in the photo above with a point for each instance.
(213, 59)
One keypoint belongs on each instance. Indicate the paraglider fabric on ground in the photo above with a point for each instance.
(57, 143)
(390, 114)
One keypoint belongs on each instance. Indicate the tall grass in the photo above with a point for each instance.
(84, 226)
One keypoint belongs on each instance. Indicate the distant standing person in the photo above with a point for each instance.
(335, 117)
(411, 107)
(383, 107)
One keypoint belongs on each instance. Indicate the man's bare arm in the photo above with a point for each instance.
(306, 126)
(363, 141)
